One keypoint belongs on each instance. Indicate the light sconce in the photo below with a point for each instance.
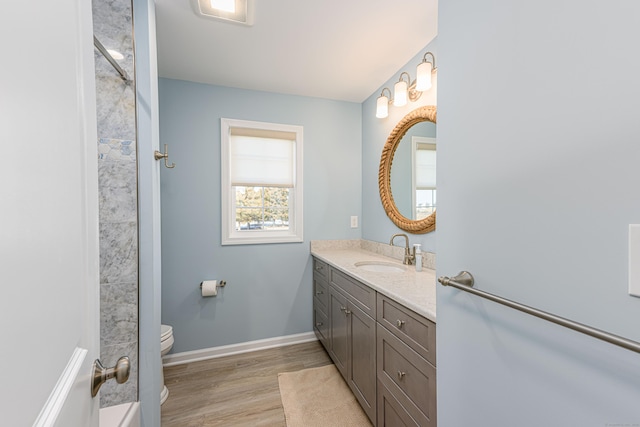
(382, 106)
(405, 90)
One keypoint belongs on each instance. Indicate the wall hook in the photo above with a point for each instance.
(158, 155)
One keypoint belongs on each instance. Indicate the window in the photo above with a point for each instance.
(261, 182)
(424, 176)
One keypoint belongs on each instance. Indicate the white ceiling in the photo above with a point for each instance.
(335, 49)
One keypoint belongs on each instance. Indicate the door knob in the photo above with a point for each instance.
(100, 374)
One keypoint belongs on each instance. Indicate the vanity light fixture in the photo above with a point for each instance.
(400, 90)
(405, 90)
(425, 69)
(382, 106)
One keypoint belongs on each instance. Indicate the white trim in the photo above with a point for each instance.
(229, 235)
(58, 396)
(123, 415)
(229, 350)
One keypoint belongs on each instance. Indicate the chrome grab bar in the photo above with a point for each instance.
(464, 281)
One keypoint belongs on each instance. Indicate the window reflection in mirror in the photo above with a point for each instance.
(413, 172)
(423, 183)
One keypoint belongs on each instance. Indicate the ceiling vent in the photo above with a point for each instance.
(236, 11)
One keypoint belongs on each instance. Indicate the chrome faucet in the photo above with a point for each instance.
(408, 256)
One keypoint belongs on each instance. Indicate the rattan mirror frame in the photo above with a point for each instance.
(421, 226)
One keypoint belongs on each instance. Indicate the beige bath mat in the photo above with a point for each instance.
(319, 397)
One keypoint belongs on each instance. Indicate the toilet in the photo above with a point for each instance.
(166, 342)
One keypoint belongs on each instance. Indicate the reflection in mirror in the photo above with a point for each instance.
(410, 153)
(413, 171)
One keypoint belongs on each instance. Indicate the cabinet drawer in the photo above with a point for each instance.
(321, 268)
(321, 293)
(410, 378)
(361, 295)
(321, 326)
(390, 412)
(416, 331)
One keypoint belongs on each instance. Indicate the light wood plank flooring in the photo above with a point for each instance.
(240, 390)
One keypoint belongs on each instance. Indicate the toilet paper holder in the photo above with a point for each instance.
(221, 284)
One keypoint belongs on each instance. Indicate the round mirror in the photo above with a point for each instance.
(406, 178)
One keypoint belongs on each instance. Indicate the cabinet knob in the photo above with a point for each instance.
(318, 324)
(342, 308)
(319, 267)
(401, 375)
(347, 312)
(319, 293)
(399, 323)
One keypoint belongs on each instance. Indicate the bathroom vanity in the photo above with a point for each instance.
(376, 319)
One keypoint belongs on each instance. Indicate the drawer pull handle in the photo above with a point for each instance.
(400, 323)
(319, 267)
(401, 375)
(318, 324)
(343, 308)
(319, 293)
(347, 312)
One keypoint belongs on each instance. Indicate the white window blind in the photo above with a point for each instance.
(261, 182)
(262, 162)
(426, 166)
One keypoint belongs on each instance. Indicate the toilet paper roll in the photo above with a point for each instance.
(209, 288)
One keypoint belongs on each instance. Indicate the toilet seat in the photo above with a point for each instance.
(165, 331)
(166, 339)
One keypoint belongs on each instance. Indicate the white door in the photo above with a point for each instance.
(48, 214)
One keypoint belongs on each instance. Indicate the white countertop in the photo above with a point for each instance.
(415, 290)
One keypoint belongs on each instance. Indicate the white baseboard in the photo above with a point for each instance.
(123, 415)
(229, 350)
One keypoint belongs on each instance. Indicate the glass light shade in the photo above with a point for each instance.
(423, 81)
(382, 107)
(400, 94)
(224, 5)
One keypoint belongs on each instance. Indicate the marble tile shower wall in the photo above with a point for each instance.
(117, 181)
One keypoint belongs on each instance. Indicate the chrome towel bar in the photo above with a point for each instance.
(464, 281)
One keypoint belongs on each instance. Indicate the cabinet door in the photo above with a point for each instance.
(362, 360)
(390, 412)
(338, 330)
(321, 326)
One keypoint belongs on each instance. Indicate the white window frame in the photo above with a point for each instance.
(231, 236)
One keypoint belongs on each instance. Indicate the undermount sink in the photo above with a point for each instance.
(380, 266)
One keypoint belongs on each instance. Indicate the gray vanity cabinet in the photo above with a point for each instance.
(406, 366)
(321, 301)
(353, 337)
(384, 351)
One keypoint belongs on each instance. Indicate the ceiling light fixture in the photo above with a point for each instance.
(237, 11)
(407, 90)
(224, 5)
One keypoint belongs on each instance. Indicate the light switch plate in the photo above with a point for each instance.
(634, 260)
(354, 221)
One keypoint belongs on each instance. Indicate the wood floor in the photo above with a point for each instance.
(240, 390)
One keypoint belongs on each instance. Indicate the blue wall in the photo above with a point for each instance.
(269, 286)
(538, 182)
(376, 225)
